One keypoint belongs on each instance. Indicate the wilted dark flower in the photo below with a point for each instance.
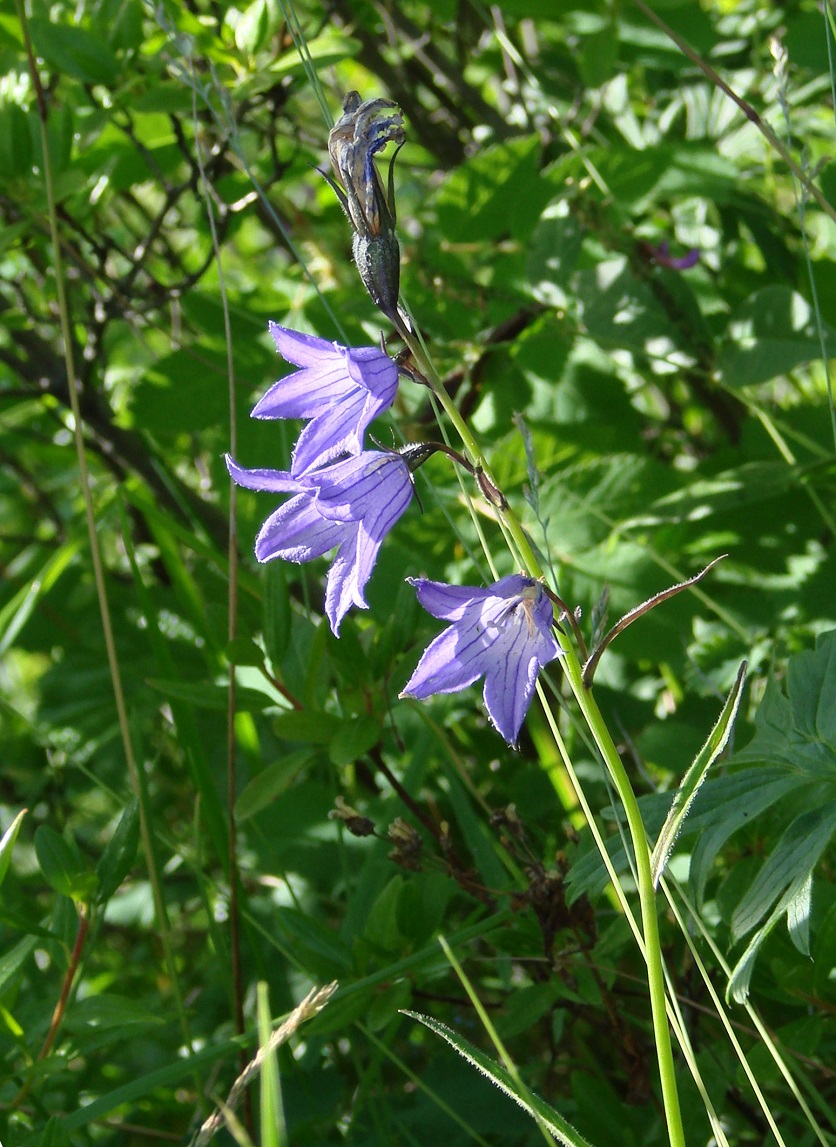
(502, 633)
(362, 131)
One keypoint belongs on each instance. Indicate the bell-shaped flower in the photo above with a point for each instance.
(349, 506)
(340, 389)
(502, 633)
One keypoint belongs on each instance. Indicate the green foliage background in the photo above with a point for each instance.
(673, 415)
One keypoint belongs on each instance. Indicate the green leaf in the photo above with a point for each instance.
(537, 1108)
(352, 739)
(118, 857)
(552, 254)
(269, 784)
(8, 842)
(13, 960)
(73, 50)
(741, 977)
(773, 333)
(793, 858)
(63, 866)
(715, 745)
(725, 805)
(109, 1011)
(15, 142)
(251, 29)
(204, 695)
(797, 729)
(55, 1133)
(476, 201)
(306, 725)
(244, 651)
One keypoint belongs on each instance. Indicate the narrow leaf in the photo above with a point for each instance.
(705, 758)
(118, 857)
(793, 858)
(8, 843)
(537, 1108)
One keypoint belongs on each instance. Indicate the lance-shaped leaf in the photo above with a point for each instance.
(536, 1107)
(717, 741)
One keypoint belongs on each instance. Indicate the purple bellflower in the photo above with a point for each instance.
(661, 255)
(350, 505)
(340, 389)
(502, 633)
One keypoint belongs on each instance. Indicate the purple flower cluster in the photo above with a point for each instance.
(345, 498)
(348, 505)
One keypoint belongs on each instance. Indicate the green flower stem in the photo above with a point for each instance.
(514, 532)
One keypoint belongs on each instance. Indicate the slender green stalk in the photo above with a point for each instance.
(521, 546)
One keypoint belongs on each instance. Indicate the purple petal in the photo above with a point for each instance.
(449, 663)
(297, 532)
(375, 372)
(503, 632)
(446, 601)
(279, 481)
(343, 588)
(330, 434)
(301, 350)
(509, 685)
(306, 393)
(363, 485)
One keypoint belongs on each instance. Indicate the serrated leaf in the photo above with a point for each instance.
(118, 857)
(269, 784)
(62, 865)
(774, 332)
(537, 1108)
(715, 745)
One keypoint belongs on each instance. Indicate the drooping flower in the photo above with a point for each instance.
(340, 389)
(350, 505)
(502, 633)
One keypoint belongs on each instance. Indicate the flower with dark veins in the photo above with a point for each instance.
(502, 633)
(340, 389)
(349, 506)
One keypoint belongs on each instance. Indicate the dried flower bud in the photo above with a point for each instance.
(362, 131)
(408, 845)
(356, 824)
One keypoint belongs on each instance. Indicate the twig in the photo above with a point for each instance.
(312, 1004)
